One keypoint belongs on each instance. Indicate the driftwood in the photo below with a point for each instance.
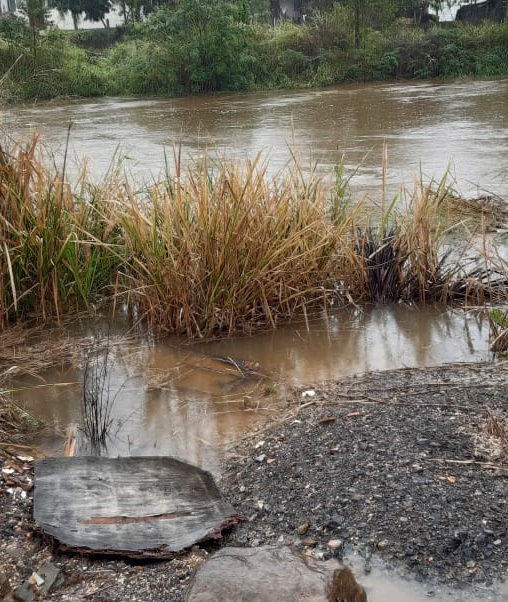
(136, 506)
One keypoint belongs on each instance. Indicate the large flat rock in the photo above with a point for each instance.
(269, 574)
(138, 506)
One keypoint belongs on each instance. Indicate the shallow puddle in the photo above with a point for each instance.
(190, 400)
(382, 585)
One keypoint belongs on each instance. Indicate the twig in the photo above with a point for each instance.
(482, 464)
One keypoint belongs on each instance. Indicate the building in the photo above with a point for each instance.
(492, 10)
(7, 6)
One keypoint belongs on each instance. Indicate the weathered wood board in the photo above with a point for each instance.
(139, 506)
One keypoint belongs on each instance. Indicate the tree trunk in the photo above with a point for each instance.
(357, 23)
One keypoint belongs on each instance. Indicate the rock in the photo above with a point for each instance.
(38, 585)
(248, 575)
(303, 528)
(334, 544)
(344, 587)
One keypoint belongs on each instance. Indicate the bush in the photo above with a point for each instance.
(44, 65)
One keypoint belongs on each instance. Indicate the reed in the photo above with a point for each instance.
(97, 400)
(54, 255)
(217, 247)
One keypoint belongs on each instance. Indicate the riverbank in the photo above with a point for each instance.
(408, 465)
(164, 55)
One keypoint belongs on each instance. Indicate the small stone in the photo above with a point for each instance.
(321, 554)
(334, 544)
(383, 544)
(308, 542)
(309, 393)
(334, 521)
(497, 542)
(260, 458)
(303, 528)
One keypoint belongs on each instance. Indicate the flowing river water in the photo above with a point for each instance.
(177, 398)
(428, 128)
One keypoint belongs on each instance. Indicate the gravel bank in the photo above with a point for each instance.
(409, 465)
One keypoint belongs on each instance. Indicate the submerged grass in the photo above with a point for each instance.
(215, 247)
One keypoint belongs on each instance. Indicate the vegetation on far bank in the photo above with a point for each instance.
(218, 247)
(191, 47)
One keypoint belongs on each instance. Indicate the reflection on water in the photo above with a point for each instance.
(180, 400)
(428, 127)
(385, 586)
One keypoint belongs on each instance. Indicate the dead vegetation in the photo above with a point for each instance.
(219, 247)
(491, 442)
(17, 425)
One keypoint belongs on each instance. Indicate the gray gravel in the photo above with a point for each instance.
(400, 464)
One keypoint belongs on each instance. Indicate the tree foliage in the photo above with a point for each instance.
(35, 12)
(208, 43)
(93, 10)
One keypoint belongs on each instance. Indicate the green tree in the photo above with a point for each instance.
(374, 14)
(36, 13)
(208, 43)
(94, 10)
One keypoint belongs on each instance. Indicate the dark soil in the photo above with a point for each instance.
(409, 465)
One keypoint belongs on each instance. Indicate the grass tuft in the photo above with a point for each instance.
(216, 247)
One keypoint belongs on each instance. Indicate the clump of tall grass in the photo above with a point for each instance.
(218, 247)
(55, 253)
(222, 247)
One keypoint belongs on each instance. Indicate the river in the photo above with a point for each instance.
(430, 128)
(172, 397)
(427, 126)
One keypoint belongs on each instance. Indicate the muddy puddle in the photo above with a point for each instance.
(192, 400)
(383, 585)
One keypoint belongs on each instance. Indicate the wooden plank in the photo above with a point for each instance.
(139, 506)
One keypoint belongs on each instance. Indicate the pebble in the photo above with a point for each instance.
(302, 529)
(308, 542)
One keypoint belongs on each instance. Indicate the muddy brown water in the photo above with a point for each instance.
(177, 399)
(428, 127)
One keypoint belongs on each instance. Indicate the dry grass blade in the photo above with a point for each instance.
(219, 246)
(491, 443)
